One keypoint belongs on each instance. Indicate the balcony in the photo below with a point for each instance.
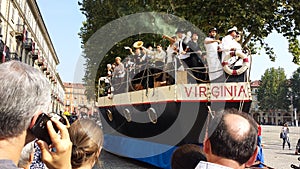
(28, 44)
(40, 60)
(44, 66)
(53, 78)
(15, 56)
(19, 32)
(1, 46)
(50, 75)
(55, 81)
(35, 54)
(5, 55)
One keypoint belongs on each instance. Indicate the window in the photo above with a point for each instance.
(12, 14)
(28, 15)
(0, 6)
(254, 98)
(25, 9)
(10, 44)
(21, 4)
(82, 101)
(0, 29)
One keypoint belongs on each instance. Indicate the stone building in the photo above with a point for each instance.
(24, 37)
(75, 98)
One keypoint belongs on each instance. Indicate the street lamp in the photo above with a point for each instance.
(293, 98)
(295, 108)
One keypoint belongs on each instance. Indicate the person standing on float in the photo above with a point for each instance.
(214, 65)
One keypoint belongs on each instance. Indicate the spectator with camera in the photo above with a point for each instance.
(25, 93)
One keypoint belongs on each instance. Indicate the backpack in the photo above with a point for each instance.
(282, 135)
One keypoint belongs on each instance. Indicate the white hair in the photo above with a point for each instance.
(24, 91)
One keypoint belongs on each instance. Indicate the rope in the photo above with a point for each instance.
(192, 75)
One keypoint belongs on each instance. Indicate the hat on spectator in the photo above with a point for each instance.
(179, 30)
(212, 29)
(232, 29)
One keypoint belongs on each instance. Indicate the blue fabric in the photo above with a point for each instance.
(259, 138)
(150, 152)
(260, 157)
(37, 158)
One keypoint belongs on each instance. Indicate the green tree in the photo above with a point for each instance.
(295, 88)
(257, 19)
(273, 91)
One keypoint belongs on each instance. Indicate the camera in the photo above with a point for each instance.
(40, 130)
(294, 166)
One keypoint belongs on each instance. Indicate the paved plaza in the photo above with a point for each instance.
(275, 156)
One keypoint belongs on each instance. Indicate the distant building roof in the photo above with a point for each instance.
(255, 83)
(74, 85)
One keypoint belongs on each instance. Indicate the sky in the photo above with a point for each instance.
(63, 21)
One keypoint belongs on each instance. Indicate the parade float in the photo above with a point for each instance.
(148, 123)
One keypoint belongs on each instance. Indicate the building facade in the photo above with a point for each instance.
(277, 117)
(75, 98)
(24, 37)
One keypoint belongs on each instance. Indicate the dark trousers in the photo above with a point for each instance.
(286, 140)
(197, 69)
(236, 78)
(118, 84)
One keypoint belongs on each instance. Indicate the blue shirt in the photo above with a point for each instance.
(7, 164)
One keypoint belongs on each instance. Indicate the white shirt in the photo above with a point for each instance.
(228, 42)
(160, 56)
(157, 55)
(119, 71)
(237, 46)
(208, 165)
(286, 131)
(170, 54)
(214, 65)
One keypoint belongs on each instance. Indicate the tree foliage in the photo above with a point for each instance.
(295, 88)
(257, 19)
(273, 90)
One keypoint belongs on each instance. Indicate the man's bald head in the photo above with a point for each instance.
(238, 127)
(235, 136)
